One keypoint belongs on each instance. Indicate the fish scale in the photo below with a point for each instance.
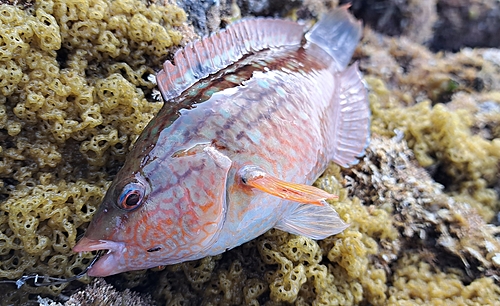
(252, 116)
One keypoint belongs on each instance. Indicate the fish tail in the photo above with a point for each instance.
(350, 133)
(336, 33)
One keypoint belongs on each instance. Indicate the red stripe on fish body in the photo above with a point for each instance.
(181, 195)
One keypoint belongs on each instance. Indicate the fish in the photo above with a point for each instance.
(253, 114)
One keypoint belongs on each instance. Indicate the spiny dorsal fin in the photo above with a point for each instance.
(203, 57)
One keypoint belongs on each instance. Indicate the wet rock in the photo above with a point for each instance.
(414, 19)
(465, 23)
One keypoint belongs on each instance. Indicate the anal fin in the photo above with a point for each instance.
(315, 222)
(257, 178)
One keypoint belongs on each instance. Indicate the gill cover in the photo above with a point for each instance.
(202, 173)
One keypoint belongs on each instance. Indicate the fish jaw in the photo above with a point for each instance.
(108, 264)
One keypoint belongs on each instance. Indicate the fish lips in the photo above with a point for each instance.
(107, 264)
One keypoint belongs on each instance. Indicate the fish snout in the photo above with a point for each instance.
(108, 264)
(86, 245)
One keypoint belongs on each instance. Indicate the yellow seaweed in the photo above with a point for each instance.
(73, 75)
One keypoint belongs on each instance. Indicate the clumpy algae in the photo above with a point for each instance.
(75, 95)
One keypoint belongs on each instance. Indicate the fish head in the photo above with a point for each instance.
(153, 218)
(111, 229)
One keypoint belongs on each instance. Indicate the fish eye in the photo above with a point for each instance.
(131, 196)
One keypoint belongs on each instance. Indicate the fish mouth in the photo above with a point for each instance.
(108, 264)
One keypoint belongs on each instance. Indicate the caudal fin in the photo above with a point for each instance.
(338, 34)
(351, 130)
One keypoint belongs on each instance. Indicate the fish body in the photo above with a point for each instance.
(230, 154)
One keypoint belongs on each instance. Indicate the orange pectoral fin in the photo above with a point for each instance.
(257, 178)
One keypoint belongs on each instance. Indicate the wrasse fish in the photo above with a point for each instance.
(253, 115)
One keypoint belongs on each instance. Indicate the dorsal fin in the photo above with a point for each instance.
(203, 57)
